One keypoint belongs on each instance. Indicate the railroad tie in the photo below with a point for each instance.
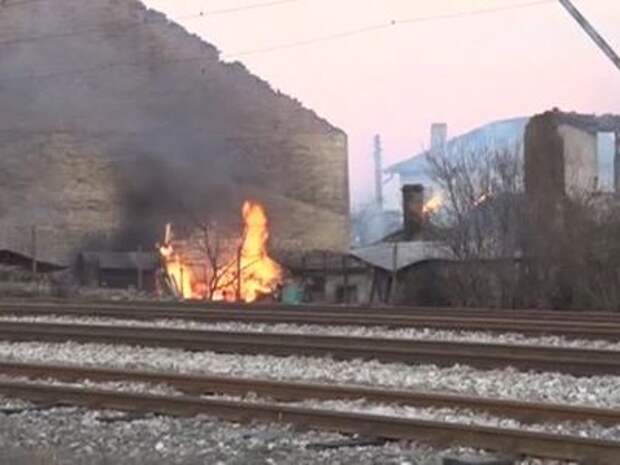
(478, 460)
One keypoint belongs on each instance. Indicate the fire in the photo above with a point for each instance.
(483, 198)
(433, 204)
(241, 271)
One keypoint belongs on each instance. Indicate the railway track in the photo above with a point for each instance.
(580, 362)
(574, 328)
(539, 314)
(537, 444)
(526, 412)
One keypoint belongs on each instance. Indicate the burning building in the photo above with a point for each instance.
(116, 121)
(230, 268)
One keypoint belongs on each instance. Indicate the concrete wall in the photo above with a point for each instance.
(580, 160)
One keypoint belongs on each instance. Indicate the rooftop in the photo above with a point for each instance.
(407, 254)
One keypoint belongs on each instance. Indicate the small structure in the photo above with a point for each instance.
(118, 270)
(402, 267)
(417, 263)
(26, 262)
(404, 253)
(332, 277)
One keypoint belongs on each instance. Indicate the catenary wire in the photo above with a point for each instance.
(121, 28)
(327, 38)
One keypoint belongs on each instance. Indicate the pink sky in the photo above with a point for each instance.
(397, 81)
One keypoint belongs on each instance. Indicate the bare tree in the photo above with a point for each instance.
(480, 221)
(518, 250)
(220, 258)
(574, 253)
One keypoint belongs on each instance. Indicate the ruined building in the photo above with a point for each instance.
(114, 121)
(564, 154)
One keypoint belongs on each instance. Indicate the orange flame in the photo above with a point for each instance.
(247, 272)
(433, 204)
(483, 198)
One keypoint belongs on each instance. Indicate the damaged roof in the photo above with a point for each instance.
(407, 254)
(121, 260)
(587, 122)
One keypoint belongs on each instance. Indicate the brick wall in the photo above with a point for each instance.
(166, 132)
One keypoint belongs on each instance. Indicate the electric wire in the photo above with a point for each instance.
(387, 25)
(326, 38)
(117, 28)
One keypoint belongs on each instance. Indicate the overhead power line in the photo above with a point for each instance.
(387, 25)
(115, 28)
(331, 37)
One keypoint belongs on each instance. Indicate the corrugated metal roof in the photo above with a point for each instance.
(407, 254)
(122, 260)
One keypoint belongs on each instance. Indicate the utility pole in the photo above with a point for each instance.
(378, 154)
(593, 33)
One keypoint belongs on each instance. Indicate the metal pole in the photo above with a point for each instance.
(378, 155)
(593, 33)
(617, 162)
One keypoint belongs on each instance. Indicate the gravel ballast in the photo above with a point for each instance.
(72, 436)
(450, 415)
(425, 334)
(603, 391)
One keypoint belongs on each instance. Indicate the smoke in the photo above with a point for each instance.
(171, 130)
(188, 140)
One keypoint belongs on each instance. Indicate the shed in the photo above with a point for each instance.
(391, 261)
(385, 255)
(118, 270)
(26, 262)
(328, 276)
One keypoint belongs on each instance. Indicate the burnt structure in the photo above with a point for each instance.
(115, 121)
(562, 163)
(569, 243)
(562, 156)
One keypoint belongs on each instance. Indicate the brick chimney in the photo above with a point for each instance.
(439, 137)
(413, 210)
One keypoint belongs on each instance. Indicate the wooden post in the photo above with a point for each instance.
(373, 287)
(325, 274)
(345, 279)
(182, 284)
(303, 264)
(393, 287)
(34, 248)
(139, 265)
(239, 277)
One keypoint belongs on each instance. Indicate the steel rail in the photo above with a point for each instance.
(557, 315)
(492, 323)
(581, 362)
(528, 412)
(537, 444)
